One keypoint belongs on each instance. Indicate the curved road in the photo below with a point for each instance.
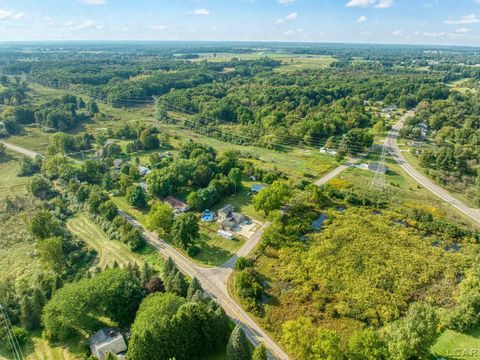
(392, 147)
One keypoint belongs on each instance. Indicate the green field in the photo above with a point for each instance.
(10, 183)
(111, 250)
(454, 345)
(290, 62)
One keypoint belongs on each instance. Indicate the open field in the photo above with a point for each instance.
(108, 250)
(32, 139)
(454, 345)
(10, 183)
(290, 62)
(111, 250)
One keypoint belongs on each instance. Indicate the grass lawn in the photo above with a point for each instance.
(111, 250)
(455, 345)
(10, 183)
(290, 62)
(242, 202)
(214, 249)
(139, 215)
(32, 139)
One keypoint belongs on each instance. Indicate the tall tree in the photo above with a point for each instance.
(238, 347)
(160, 218)
(260, 353)
(193, 287)
(185, 230)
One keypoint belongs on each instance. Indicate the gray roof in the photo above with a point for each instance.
(226, 210)
(106, 341)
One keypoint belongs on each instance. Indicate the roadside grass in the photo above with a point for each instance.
(455, 345)
(10, 183)
(139, 214)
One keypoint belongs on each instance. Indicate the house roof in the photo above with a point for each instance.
(226, 210)
(258, 187)
(106, 341)
(175, 203)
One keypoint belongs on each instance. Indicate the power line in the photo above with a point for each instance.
(15, 345)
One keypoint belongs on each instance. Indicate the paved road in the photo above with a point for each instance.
(392, 147)
(215, 282)
(21, 150)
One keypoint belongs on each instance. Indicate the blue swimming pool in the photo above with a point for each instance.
(208, 216)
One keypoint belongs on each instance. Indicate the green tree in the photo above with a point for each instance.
(160, 218)
(185, 230)
(136, 197)
(193, 287)
(366, 345)
(238, 347)
(109, 210)
(168, 266)
(272, 197)
(412, 336)
(43, 225)
(29, 315)
(40, 187)
(51, 253)
(260, 353)
(235, 175)
(95, 199)
(176, 283)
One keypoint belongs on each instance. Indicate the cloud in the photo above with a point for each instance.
(10, 15)
(87, 24)
(93, 2)
(384, 4)
(467, 19)
(288, 2)
(289, 17)
(378, 4)
(397, 33)
(361, 19)
(292, 16)
(463, 30)
(201, 12)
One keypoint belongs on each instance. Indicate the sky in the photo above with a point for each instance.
(436, 22)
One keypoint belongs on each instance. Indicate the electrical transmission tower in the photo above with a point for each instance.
(378, 184)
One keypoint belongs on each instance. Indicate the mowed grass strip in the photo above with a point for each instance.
(108, 250)
(455, 345)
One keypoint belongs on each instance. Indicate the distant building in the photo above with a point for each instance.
(117, 164)
(106, 341)
(178, 205)
(325, 150)
(258, 187)
(377, 168)
(143, 170)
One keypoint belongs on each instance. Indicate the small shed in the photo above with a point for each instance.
(256, 188)
(105, 341)
(225, 234)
